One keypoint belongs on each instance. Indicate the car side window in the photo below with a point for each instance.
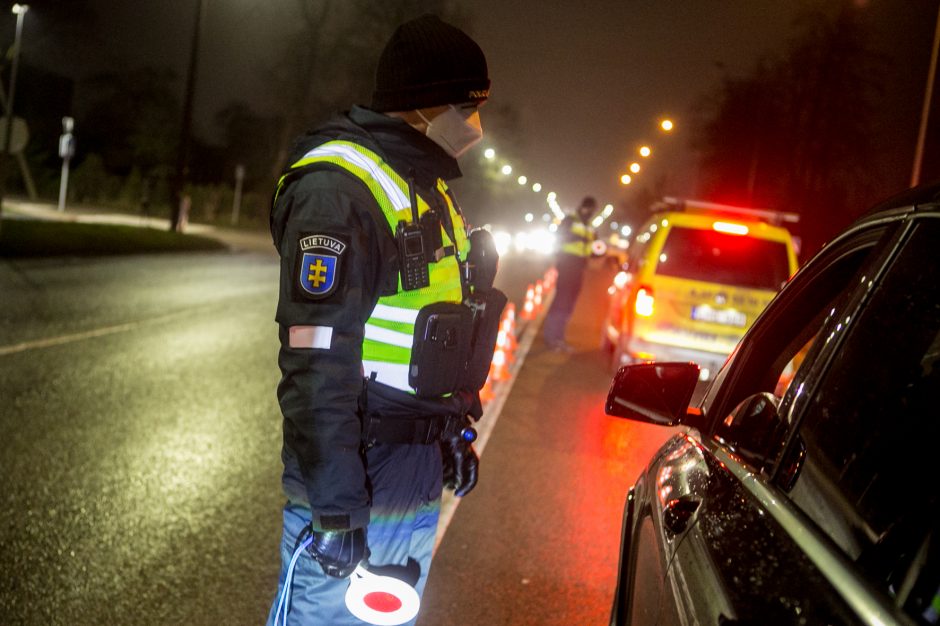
(869, 434)
(782, 340)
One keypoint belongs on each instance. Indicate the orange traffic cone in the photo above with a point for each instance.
(486, 393)
(549, 281)
(500, 369)
(507, 332)
(528, 308)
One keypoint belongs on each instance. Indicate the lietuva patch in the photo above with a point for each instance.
(320, 268)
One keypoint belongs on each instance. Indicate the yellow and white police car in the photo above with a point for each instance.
(697, 276)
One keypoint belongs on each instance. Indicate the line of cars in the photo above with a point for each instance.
(801, 488)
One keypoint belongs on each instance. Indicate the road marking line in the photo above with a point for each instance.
(89, 334)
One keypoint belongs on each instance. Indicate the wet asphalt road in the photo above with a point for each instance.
(537, 542)
(140, 450)
(140, 439)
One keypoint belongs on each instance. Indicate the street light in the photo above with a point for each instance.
(666, 125)
(178, 218)
(625, 179)
(635, 168)
(645, 151)
(20, 11)
(489, 154)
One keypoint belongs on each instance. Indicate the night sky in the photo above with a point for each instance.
(590, 78)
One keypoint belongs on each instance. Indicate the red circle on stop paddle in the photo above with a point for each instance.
(381, 601)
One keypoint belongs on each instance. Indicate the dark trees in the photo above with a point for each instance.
(794, 135)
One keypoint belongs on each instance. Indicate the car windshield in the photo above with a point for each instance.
(714, 257)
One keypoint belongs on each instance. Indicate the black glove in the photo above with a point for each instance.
(339, 551)
(461, 464)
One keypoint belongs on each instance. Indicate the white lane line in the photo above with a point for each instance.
(88, 334)
(449, 502)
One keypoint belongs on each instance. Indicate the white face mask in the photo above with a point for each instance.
(453, 132)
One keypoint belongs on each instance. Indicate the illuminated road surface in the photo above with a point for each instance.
(140, 456)
(536, 543)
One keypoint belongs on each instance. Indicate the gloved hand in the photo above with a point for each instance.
(461, 464)
(339, 551)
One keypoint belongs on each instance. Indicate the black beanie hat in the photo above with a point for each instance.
(428, 63)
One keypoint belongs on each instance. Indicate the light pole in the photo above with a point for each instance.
(20, 11)
(928, 93)
(182, 157)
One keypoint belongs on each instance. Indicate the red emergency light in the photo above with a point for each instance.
(730, 228)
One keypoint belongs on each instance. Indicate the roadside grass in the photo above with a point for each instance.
(39, 238)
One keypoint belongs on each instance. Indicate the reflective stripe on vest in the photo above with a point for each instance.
(389, 331)
(580, 245)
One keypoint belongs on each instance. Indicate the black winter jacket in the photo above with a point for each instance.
(320, 387)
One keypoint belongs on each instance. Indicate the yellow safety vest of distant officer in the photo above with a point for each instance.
(576, 237)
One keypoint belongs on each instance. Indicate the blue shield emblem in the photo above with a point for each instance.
(318, 274)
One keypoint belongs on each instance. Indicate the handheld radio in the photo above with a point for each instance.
(413, 263)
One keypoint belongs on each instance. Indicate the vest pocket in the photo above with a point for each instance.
(442, 340)
(487, 307)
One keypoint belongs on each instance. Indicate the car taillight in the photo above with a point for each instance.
(644, 302)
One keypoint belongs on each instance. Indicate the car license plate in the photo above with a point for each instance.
(728, 317)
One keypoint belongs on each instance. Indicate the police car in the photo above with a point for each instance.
(697, 276)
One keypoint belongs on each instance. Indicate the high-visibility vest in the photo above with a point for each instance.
(389, 331)
(580, 236)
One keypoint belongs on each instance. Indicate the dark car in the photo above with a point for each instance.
(803, 489)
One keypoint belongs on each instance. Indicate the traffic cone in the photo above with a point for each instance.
(504, 344)
(549, 280)
(500, 368)
(507, 331)
(486, 393)
(528, 308)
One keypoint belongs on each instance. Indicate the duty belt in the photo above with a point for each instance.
(418, 430)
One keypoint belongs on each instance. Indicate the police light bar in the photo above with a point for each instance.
(700, 206)
(730, 228)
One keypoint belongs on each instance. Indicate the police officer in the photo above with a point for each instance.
(576, 237)
(377, 269)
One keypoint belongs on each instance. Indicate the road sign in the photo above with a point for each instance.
(67, 146)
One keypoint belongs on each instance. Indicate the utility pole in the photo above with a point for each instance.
(20, 10)
(237, 199)
(182, 156)
(925, 112)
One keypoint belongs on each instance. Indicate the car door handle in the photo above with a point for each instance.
(678, 512)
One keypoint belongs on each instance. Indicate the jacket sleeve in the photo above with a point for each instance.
(334, 265)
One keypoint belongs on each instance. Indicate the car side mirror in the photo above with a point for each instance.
(755, 430)
(657, 393)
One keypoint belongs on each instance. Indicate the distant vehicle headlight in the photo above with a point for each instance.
(503, 241)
